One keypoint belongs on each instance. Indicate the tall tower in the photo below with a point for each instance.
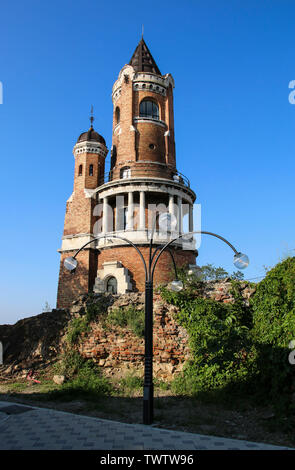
(143, 180)
(89, 153)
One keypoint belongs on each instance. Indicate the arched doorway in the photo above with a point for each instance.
(111, 286)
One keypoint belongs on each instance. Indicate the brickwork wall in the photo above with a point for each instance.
(37, 340)
(71, 285)
(79, 216)
(116, 349)
(134, 145)
(131, 260)
(85, 180)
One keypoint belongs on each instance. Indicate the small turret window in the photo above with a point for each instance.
(91, 170)
(80, 170)
(149, 109)
(117, 114)
(125, 172)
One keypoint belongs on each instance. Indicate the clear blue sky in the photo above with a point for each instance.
(232, 61)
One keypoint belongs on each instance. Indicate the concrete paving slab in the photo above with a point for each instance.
(41, 428)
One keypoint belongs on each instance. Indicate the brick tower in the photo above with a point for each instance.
(142, 181)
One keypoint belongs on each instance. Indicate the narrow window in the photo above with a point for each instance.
(91, 170)
(117, 114)
(125, 172)
(80, 170)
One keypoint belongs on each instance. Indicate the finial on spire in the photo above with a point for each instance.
(91, 117)
(142, 30)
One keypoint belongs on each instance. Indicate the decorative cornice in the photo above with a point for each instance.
(90, 147)
(147, 86)
(158, 83)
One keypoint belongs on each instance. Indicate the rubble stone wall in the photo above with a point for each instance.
(36, 341)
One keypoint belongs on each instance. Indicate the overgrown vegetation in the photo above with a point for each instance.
(273, 310)
(81, 324)
(129, 317)
(83, 377)
(237, 349)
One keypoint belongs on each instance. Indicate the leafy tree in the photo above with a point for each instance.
(238, 275)
(209, 272)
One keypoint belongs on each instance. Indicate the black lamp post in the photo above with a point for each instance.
(241, 261)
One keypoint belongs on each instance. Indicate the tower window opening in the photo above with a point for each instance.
(149, 109)
(91, 170)
(117, 115)
(80, 170)
(125, 172)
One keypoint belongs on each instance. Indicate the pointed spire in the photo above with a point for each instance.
(142, 60)
(91, 117)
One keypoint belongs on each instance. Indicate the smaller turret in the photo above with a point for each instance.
(90, 152)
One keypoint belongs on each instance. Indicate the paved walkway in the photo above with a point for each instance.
(25, 427)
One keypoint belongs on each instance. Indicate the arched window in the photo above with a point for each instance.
(111, 285)
(117, 114)
(125, 172)
(91, 170)
(80, 170)
(149, 109)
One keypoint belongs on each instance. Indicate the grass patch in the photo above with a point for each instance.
(127, 318)
(130, 383)
(17, 387)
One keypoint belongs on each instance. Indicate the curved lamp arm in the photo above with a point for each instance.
(120, 238)
(171, 255)
(186, 235)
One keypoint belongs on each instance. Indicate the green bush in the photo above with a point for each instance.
(84, 378)
(237, 347)
(220, 342)
(273, 306)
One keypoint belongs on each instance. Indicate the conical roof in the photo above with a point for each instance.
(142, 60)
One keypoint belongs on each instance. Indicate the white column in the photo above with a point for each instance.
(171, 204)
(142, 210)
(105, 215)
(191, 219)
(171, 210)
(130, 211)
(179, 215)
(119, 222)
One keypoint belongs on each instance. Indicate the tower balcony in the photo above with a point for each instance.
(145, 171)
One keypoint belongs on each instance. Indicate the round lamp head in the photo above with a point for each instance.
(176, 286)
(167, 221)
(241, 261)
(70, 263)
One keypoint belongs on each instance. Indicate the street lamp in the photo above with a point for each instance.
(167, 222)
